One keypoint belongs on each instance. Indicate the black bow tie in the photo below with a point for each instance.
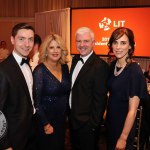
(24, 61)
(81, 59)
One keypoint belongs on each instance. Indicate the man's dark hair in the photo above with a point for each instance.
(37, 39)
(19, 26)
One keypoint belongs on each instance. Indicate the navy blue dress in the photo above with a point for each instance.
(51, 98)
(129, 83)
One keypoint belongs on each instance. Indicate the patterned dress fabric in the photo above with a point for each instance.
(51, 100)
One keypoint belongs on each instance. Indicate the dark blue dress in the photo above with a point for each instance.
(129, 83)
(51, 98)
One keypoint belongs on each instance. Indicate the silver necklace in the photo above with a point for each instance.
(116, 73)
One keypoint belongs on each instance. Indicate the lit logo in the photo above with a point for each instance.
(105, 23)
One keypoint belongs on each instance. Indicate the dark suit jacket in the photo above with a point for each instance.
(15, 103)
(89, 92)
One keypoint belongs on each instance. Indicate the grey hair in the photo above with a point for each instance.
(83, 30)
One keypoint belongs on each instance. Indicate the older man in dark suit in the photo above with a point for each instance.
(16, 100)
(89, 92)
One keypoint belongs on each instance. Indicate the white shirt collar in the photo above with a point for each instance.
(86, 57)
(17, 57)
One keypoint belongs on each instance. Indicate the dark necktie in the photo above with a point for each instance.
(81, 59)
(24, 61)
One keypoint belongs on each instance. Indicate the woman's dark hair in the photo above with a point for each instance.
(20, 26)
(118, 33)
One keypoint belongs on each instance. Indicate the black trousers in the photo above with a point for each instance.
(84, 138)
(32, 143)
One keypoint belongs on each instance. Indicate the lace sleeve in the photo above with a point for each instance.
(37, 94)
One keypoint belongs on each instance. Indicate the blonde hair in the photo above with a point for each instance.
(49, 38)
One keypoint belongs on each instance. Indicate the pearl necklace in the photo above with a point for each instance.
(116, 73)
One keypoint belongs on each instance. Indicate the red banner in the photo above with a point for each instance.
(103, 21)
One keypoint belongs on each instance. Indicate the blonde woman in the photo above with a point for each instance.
(51, 91)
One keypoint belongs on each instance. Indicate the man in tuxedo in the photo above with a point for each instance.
(16, 100)
(88, 95)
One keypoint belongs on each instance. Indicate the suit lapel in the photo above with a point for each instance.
(19, 75)
(74, 62)
(85, 68)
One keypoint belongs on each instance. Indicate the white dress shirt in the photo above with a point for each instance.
(27, 74)
(75, 73)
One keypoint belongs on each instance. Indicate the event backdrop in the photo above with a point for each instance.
(104, 20)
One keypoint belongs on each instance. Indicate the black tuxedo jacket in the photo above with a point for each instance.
(15, 103)
(89, 92)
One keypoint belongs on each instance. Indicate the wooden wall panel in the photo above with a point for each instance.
(28, 8)
(12, 10)
(109, 3)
